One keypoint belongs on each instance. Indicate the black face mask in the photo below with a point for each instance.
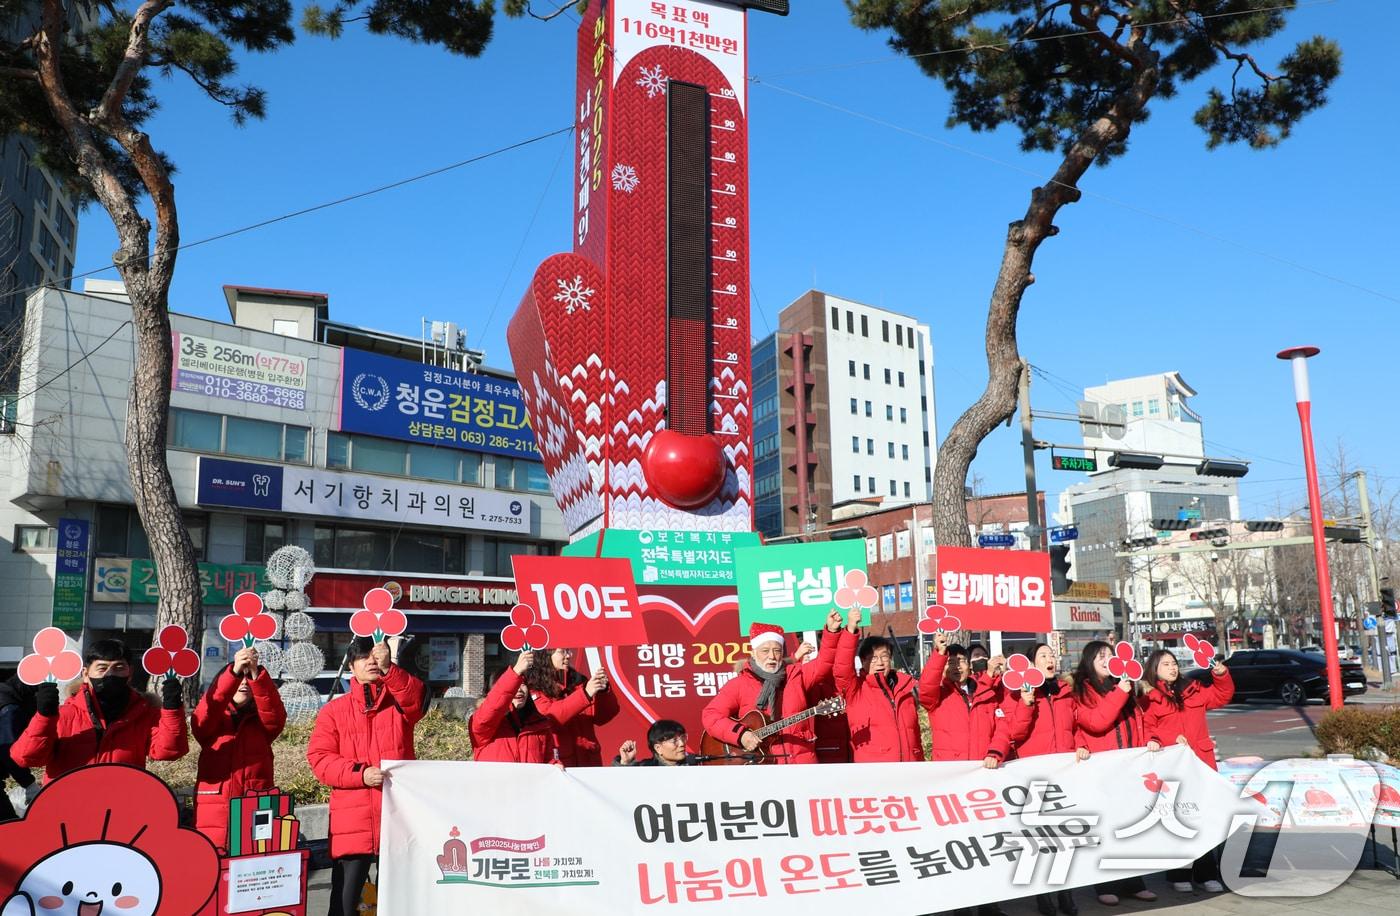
(112, 692)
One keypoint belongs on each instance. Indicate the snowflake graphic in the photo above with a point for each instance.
(624, 178)
(574, 295)
(653, 81)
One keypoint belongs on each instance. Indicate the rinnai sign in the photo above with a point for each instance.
(1083, 615)
(332, 591)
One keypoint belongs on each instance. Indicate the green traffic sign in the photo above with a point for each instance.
(1072, 463)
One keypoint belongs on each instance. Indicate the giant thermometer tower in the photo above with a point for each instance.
(633, 349)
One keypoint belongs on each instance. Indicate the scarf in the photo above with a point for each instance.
(770, 696)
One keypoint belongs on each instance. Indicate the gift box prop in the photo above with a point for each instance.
(264, 871)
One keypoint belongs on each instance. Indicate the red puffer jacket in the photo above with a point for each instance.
(502, 735)
(968, 726)
(883, 714)
(578, 737)
(1107, 721)
(363, 728)
(1164, 721)
(802, 689)
(79, 736)
(236, 744)
(1050, 728)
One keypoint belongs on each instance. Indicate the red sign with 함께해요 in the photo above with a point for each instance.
(996, 589)
(581, 601)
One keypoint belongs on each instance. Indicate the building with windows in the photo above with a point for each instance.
(397, 462)
(843, 410)
(38, 222)
(1157, 419)
(1156, 597)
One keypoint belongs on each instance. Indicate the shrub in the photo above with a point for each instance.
(438, 737)
(1361, 731)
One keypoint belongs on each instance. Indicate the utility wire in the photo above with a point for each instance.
(359, 195)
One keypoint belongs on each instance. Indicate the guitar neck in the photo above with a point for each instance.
(775, 727)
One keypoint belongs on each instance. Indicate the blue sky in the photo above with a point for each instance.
(1176, 259)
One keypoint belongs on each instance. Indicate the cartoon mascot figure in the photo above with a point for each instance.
(105, 840)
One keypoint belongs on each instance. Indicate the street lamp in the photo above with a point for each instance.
(1299, 357)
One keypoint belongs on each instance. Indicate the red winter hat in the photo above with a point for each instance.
(760, 633)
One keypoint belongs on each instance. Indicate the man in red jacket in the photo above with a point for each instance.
(235, 723)
(354, 734)
(105, 721)
(882, 704)
(771, 685)
(966, 716)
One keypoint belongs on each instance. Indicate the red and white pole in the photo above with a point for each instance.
(1299, 356)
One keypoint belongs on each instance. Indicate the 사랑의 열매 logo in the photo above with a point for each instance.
(370, 391)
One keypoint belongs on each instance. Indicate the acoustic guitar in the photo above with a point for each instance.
(714, 752)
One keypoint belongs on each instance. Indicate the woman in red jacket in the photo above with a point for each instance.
(1175, 711)
(1107, 717)
(509, 728)
(882, 705)
(235, 723)
(551, 678)
(354, 734)
(1049, 730)
(966, 715)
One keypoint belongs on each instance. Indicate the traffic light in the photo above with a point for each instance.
(1136, 461)
(1060, 581)
(1210, 534)
(1174, 524)
(1266, 524)
(1387, 602)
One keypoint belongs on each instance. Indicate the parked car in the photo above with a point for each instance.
(1286, 674)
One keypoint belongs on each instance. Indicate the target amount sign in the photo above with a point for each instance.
(581, 601)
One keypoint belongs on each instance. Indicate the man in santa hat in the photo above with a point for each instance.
(778, 688)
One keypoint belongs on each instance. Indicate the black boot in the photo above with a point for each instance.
(1067, 904)
(1045, 904)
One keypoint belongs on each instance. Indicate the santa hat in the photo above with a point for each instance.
(760, 633)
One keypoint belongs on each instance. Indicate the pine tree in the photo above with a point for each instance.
(1074, 76)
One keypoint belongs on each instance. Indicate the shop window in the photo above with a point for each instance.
(35, 538)
(196, 430)
(428, 462)
(381, 456)
(119, 533)
(337, 450)
(261, 538)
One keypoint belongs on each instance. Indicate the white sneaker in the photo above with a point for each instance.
(1213, 887)
(1182, 887)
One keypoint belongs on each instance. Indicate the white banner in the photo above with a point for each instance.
(892, 837)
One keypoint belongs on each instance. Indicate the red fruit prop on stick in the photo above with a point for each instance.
(170, 656)
(52, 660)
(378, 619)
(1123, 664)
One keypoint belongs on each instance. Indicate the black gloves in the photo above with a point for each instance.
(170, 694)
(46, 699)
